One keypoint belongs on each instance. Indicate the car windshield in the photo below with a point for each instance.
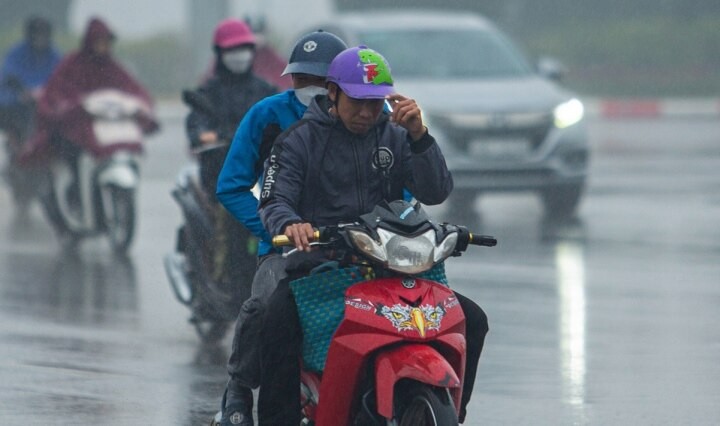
(442, 54)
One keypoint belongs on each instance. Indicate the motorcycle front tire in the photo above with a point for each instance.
(211, 332)
(419, 404)
(51, 208)
(119, 217)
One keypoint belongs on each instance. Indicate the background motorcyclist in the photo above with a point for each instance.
(64, 127)
(25, 70)
(308, 64)
(231, 91)
(328, 170)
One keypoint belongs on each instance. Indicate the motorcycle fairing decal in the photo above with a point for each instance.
(451, 302)
(358, 303)
(406, 317)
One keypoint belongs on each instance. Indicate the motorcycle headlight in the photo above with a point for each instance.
(368, 246)
(568, 113)
(446, 247)
(409, 255)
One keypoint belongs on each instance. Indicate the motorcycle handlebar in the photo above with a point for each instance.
(284, 240)
(482, 240)
(472, 239)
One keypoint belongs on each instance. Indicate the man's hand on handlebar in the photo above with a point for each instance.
(208, 137)
(301, 234)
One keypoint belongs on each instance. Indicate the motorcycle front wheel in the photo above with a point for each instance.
(419, 404)
(211, 332)
(50, 203)
(119, 216)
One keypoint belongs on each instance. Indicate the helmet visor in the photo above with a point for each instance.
(313, 68)
(367, 91)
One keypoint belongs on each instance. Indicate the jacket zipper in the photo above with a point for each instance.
(361, 201)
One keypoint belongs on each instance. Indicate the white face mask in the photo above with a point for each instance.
(306, 94)
(238, 61)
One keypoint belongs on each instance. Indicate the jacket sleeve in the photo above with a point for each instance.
(426, 173)
(238, 174)
(283, 180)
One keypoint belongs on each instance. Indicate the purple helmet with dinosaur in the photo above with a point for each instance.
(361, 73)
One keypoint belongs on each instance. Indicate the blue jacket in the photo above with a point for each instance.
(249, 149)
(31, 69)
(319, 172)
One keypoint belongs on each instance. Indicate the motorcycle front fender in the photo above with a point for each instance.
(413, 361)
(121, 174)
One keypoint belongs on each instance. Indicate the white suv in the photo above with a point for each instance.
(503, 125)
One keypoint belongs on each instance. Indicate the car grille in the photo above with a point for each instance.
(496, 136)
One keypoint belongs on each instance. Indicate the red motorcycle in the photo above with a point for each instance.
(397, 356)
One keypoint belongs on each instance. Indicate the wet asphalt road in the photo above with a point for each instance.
(612, 319)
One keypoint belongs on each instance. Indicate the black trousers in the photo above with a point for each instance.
(279, 396)
(245, 365)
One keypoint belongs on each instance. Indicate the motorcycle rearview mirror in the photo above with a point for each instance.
(198, 101)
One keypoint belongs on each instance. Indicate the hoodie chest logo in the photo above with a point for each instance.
(383, 158)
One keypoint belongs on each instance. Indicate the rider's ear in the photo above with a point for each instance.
(332, 92)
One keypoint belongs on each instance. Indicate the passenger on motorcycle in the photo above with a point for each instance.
(64, 127)
(309, 61)
(24, 72)
(344, 157)
(231, 91)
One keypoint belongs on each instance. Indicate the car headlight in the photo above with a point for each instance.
(568, 113)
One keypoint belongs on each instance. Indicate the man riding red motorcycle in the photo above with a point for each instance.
(346, 156)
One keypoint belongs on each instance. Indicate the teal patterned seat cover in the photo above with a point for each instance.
(320, 300)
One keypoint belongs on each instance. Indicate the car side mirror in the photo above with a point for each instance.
(551, 68)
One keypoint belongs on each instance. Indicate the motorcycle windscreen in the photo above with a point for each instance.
(110, 132)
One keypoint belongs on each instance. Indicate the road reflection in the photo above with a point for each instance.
(569, 246)
(96, 289)
(74, 287)
(210, 377)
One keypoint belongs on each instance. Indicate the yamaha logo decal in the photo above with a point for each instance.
(383, 158)
(236, 418)
(408, 282)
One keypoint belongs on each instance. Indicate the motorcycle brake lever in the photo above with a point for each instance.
(313, 244)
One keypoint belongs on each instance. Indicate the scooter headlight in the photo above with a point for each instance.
(409, 255)
(446, 247)
(368, 246)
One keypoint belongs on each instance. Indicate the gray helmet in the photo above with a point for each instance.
(313, 53)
